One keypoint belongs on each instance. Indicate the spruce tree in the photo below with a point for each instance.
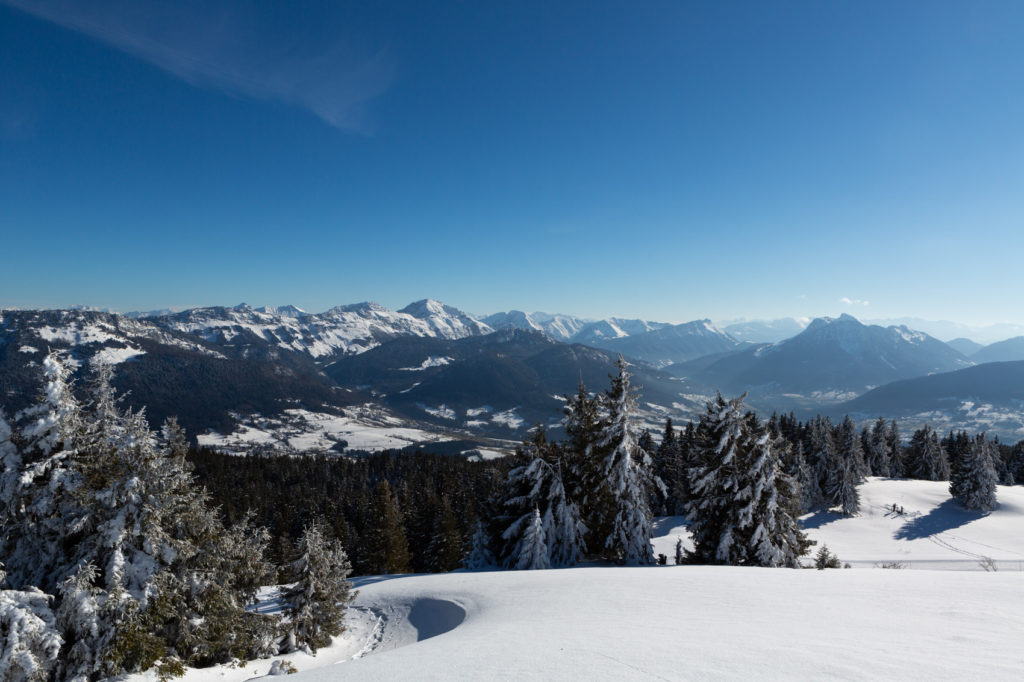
(537, 485)
(317, 600)
(974, 478)
(627, 470)
(447, 545)
(581, 475)
(925, 457)
(531, 550)
(878, 450)
(744, 509)
(387, 550)
(846, 470)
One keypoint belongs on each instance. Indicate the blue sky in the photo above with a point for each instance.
(661, 160)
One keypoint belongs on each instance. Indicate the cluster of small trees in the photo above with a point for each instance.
(114, 560)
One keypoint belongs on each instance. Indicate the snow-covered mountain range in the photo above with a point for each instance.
(433, 369)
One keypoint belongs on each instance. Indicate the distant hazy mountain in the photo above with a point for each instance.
(946, 330)
(1001, 351)
(832, 357)
(965, 346)
(594, 333)
(765, 331)
(672, 343)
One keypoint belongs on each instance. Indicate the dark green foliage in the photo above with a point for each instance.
(826, 559)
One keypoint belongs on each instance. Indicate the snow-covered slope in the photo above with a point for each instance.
(672, 343)
(706, 622)
(343, 330)
(929, 530)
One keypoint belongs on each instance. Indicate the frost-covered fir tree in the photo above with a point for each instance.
(140, 566)
(627, 470)
(537, 485)
(925, 457)
(722, 444)
(480, 555)
(41, 499)
(317, 600)
(531, 549)
(769, 515)
(974, 477)
(30, 643)
(744, 508)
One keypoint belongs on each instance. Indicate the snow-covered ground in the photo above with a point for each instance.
(710, 623)
(302, 431)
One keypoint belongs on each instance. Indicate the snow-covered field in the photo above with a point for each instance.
(303, 431)
(702, 622)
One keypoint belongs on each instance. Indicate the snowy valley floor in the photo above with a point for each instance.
(699, 622)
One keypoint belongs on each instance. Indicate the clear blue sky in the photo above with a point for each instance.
(668, 160)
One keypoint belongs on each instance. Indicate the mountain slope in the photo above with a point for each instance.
(339, 331)
(765, 331)
(987, 397)
(672, 343)
(831, 356)
(1001, 351)
(498, 384)
(169, 373)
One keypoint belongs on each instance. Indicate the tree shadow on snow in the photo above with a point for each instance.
(663, 524)
(946, 516)
(820, 518)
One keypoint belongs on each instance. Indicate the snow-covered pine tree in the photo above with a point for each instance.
(744, 508)
(770, 508)
(627, 470)
(926, 458)
(822, 456)
(480, 556)
(30, 643)
(531, 548)
(722, 444)
(847, 470)
(41, 484)
(317, 600)
(537, 485)
(877, 452)
(973, 483)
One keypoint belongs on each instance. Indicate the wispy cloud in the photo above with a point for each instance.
(853, 301)
(212, 45)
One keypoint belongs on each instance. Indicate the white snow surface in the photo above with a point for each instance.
(709, 622)
(303, 431)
